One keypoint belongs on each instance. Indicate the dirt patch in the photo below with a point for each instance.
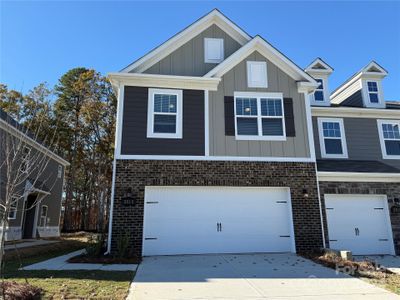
(84, 258)
(22, 291)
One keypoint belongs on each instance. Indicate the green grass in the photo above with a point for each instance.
(66, 284)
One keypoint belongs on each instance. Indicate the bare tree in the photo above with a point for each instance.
(23, 162)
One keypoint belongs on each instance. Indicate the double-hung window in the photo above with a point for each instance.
(319, 91)
(332, 138)
(164, 117)
(373, 92)
(12, 214)
(259, 116)
(389, 135)
(43, 216)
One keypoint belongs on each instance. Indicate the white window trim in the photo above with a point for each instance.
(377, 92)
(255, 84)
(25, 159)
(321, 90)
(211, 60)
(13, 207)
(365, 93)
(41, 216)
(382, 139)
(260, 137)
(150, 114)
(322, 138)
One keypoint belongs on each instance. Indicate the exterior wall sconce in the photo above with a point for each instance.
(128, 199)
(305, 193)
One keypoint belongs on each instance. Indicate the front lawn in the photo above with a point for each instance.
(65, 284)
(365, 270)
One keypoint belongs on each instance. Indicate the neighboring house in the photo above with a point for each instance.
(215, 148)
(357, 145)
(27, 220)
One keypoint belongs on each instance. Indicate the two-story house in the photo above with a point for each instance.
(33, 175)
(215, 150)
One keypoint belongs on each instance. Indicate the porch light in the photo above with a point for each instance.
(305, 193)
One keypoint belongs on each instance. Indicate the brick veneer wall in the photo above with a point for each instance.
(137, 174)
(392, 190)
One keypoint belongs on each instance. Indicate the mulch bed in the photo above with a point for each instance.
(359, 268)
(22, 291)
(84, 258)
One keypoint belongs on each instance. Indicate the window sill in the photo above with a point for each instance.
(391, 156)
(260, 138)
(163, 136)
(338, 156)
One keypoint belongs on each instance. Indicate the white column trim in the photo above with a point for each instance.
(206, 124)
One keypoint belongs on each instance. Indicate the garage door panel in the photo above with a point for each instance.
(183, 220)
(359, 223)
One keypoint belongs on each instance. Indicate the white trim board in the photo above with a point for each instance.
(272, 54)
(358, 177)
(164, 81)
(353, 112)
(214, 158)
(214, 17)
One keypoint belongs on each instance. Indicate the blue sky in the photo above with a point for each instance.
(40, 41)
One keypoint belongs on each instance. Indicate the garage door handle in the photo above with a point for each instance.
(357, 231)
(218, 227)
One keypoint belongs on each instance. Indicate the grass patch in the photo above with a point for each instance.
(72, 284)
(366, 270)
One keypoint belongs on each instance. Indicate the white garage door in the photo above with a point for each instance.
(359, 223)
(193, 220)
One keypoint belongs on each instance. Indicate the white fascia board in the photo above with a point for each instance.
(267, 50)
(215, 158)
(352, 112)
(358, 177)
(328, 69)
(30, 141)
(164, 81)
(214, 17)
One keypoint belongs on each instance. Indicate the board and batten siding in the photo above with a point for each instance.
(362, 138)
(134, 126)
(188, 60)
(236, 81)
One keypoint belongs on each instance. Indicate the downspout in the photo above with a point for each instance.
(117, 150)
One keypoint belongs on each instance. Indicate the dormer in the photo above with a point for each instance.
(364, 89)
(321, 71)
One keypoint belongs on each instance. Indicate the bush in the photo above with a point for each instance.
(122, 245)
(96, 246)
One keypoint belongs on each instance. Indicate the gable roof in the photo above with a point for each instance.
(163, 50)
(10, 125)
(270, 52)
(372, 69)
(320, 66)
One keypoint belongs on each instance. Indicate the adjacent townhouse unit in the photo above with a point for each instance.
(35, 175)
(216, 150)
(357, 145)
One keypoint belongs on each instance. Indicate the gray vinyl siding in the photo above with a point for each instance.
(362, 138)
(236, 81)
(188, 60)
(354, 100)
(134, 126)
(53, 201)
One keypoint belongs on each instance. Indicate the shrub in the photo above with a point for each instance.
(96, 246)
(122, 245)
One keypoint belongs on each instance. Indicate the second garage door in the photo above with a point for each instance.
(194, 220)
(359, 223)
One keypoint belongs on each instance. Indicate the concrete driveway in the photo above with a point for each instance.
(246, 276)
